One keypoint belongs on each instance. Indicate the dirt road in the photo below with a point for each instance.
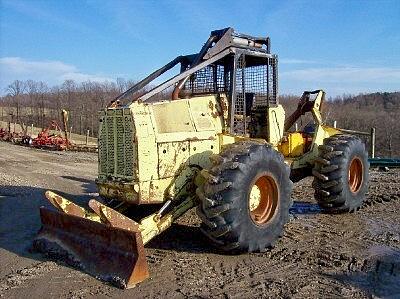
(351, 255)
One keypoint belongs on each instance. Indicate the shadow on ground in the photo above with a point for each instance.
(19, 215)
(20, 220)
(183, 238)
(89, 186)
(378, 274)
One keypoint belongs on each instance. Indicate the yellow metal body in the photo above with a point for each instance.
(321, 132)
(160, 152)
(276, 121)
(294, 145)
(145, 150)
(149, 153)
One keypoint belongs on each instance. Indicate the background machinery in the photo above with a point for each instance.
(219, 142)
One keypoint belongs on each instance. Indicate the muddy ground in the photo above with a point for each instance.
(319, 256)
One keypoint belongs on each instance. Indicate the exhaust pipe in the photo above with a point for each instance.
(203, 51)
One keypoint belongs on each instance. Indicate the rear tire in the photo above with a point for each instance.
(341, 174)
(245, 200)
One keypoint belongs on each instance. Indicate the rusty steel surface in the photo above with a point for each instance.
(266, 190)
(67, 207)
(114, 218)
(355, 174)
(112, 254)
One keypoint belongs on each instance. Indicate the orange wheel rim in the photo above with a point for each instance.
(263, 199)
(355, 174)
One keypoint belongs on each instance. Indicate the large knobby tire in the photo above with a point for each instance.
(245, 200)
(341, 174)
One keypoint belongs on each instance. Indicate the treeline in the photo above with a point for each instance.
(32, 102)
(379, 110)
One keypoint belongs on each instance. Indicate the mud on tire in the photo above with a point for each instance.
(341, 174)
(225, 208)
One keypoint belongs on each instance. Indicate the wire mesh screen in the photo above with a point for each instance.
(261, 82)
(255, 88)
(238, 122)
(272, 78)
(210, 79)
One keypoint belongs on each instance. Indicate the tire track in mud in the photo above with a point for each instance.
(317, 253)
(384, 187)
(188, 281)
(90, 292)
(156, 256)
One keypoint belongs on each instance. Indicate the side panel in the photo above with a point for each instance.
(200, 152)
(294, 146)
(276, 123)
(206, 114)
(172, 157)
(172, 117)
(147, 158)
(185, 134)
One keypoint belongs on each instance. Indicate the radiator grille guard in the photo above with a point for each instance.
(117, 152)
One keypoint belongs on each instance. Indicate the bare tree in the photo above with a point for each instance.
(35, 102)
(16, 90)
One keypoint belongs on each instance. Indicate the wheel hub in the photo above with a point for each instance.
(255, 197)
(355, 174)
(263, 199)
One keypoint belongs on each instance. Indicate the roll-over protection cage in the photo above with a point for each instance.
(238, 65)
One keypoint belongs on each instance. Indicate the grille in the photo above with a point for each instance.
(116, 145)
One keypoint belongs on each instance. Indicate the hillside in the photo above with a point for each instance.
(39, 106)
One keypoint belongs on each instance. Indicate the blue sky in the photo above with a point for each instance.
(340, 46)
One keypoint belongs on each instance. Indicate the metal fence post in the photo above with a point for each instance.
(372, 143)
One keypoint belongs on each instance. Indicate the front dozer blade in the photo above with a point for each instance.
(110, 253)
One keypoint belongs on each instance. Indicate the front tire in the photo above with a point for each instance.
(341, 174)
(245, 200)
